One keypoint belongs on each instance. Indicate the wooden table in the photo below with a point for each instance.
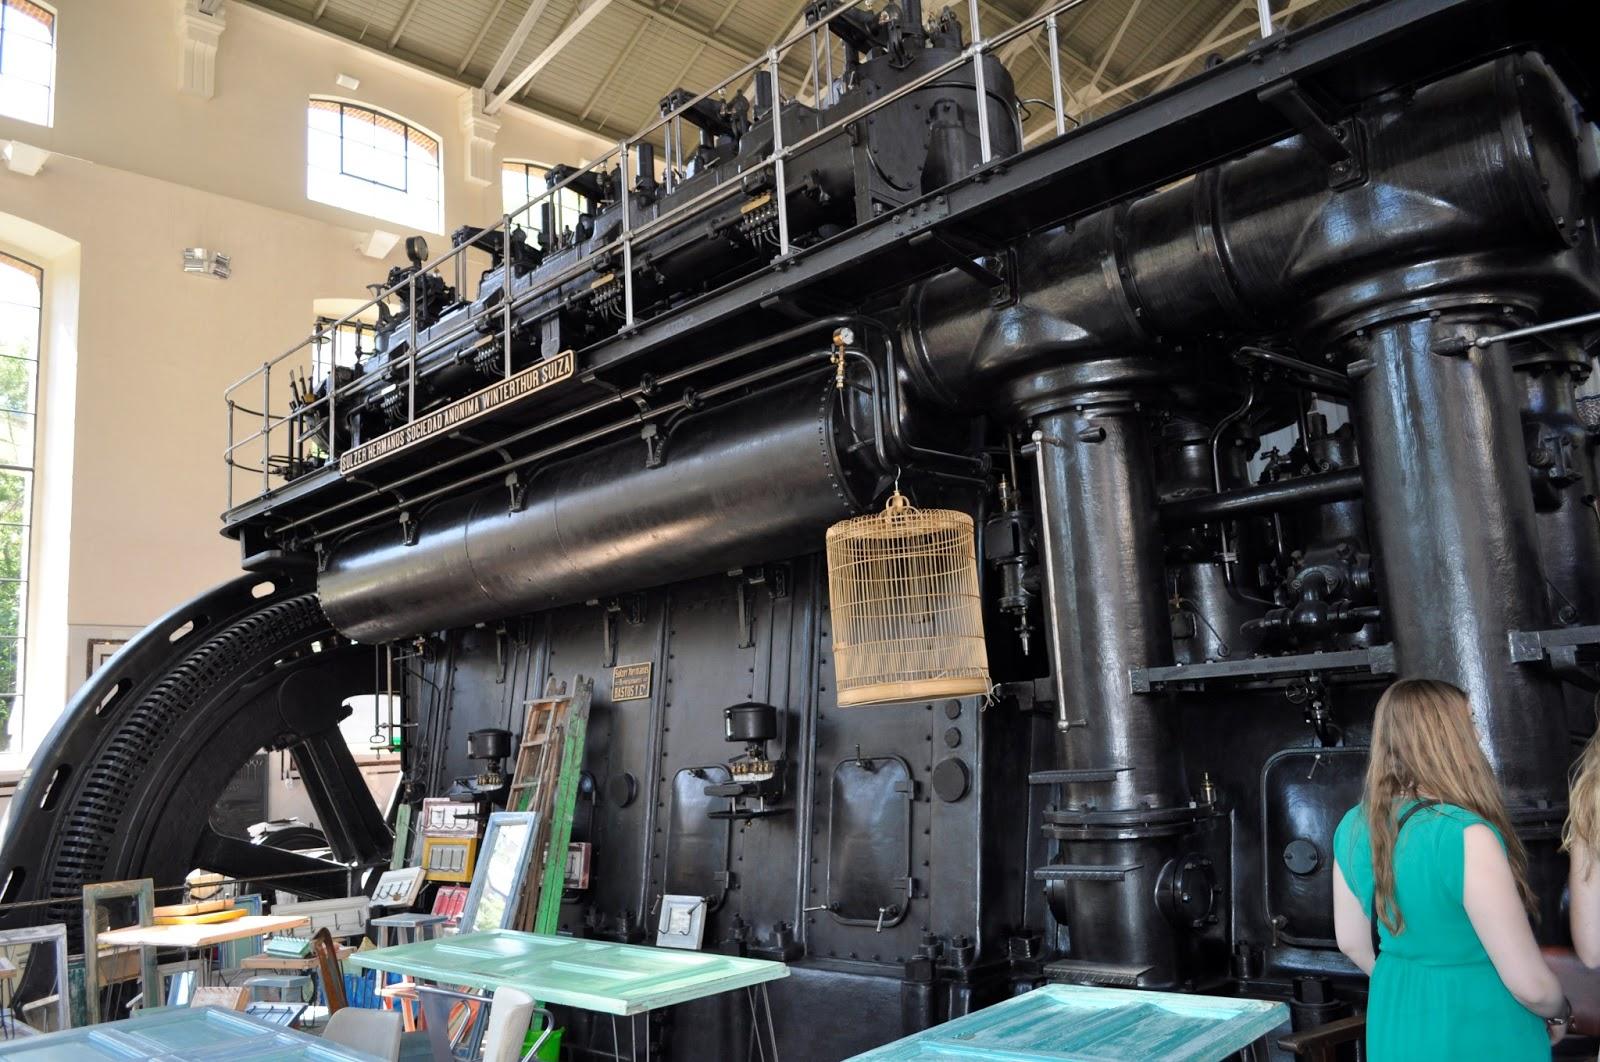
(1077, 1023)
(200, 1034)
(195, 937)
(622, 980)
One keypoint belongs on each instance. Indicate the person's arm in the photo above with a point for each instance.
(1584, 883)
(1351, 926)
(1489, 893)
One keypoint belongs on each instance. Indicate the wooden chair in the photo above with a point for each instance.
(1582, 987)
(332, 973)
(1322, 1043)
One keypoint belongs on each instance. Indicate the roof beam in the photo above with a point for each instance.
(616, 67)
(1209, 41)
(405, 20)
(513, 46)
(742, 51)
(477, 40)
(578, 23)
(1116, 42)
(321, 7)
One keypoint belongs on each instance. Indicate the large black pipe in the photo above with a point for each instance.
(758, 480)
(1319, 488)
(1472, 185)
(1452, 516)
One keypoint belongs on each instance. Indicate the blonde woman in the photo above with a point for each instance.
(1429, 859)
(1581, 839)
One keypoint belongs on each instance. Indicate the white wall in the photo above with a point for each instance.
(137, 352)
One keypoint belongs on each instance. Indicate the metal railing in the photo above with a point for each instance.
(299, 450)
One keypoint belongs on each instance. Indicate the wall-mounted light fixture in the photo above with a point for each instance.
(214, 263)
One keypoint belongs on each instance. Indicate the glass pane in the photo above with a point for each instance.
(28, 60)
(17, 383)
(28, 22)
(10, 665)
(19, 282)
(24, 100)
(16, 439)
(10, 722)
(13, 596)
(16, 501)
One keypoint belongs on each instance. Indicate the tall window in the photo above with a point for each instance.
(372, 163)
(27, 60)
(20, 286)
(520, 182)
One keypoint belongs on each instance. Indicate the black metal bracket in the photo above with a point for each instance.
(627, 607)
(775, 577)
(655, 445)
(1556, 651)
(1378, 660)
(970, 258)
(1339, 143)
(519, 491)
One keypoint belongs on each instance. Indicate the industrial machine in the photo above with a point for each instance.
(1260, 392)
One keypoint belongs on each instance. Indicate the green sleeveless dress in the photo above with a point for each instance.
(1434, 994)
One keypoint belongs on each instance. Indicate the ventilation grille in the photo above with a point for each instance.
(907, 620)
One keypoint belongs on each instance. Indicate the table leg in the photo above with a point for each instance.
(755, 1025)
(772, 1033)
(436, 1017)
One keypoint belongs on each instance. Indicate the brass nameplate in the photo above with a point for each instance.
(630, 682)
(534, 378)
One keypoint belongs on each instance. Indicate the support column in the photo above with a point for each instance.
(1108, 612)
(1446, 478)
(1118, 883)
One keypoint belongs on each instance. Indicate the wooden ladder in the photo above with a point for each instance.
(539, 754)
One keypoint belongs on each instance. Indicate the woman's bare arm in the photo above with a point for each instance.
(1584, 883)
(1351, 927)
(1489, 893)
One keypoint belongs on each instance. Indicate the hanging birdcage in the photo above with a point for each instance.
(907, 619)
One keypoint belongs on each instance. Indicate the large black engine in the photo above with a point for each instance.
(1246, 387)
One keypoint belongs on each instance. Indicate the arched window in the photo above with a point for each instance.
(27, 60)
(373, 163)
(520, 182)
(21, 287)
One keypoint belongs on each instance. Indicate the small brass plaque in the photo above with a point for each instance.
(630, 682)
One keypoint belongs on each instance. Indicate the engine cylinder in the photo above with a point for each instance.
(738, 485)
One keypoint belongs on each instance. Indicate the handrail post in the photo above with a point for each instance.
(227, 456)
(411, 377)
(1264, 17)
(333, 411)
(779, 188)
(266, 425)
(627, 238)
(985, 149)
(506, 276)
(1053, 31)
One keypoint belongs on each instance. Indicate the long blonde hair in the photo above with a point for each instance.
(1423, 741)
(1583, 806)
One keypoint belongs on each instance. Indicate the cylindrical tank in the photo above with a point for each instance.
(742, 484)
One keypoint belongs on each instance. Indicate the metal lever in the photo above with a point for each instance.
(819, 907)
(892, 911)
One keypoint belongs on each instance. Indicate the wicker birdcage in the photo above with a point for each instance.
(907, 619)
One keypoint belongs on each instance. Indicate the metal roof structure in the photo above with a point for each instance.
(604, 65)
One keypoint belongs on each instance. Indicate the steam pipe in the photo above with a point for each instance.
(1268, 238)
(634, 514)
(1318, 489)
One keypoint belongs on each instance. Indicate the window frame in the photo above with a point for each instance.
(411, 135)
(53, 25)
(12, 735)
(568, 203)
